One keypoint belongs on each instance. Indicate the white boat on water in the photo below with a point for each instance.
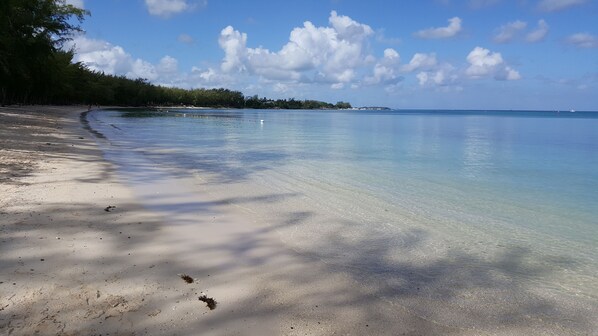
(572, 110)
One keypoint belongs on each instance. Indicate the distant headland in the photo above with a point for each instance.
(370, 108)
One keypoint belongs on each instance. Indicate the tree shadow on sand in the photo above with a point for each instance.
(363, 291)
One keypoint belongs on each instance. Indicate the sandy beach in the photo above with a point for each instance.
(81, 254)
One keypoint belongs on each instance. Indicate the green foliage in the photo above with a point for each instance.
(342, 105)
(263, 103)
(31, 33)
(35, 70)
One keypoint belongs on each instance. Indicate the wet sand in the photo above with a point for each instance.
(80, 254)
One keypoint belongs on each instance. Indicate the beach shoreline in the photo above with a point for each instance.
(83, 253)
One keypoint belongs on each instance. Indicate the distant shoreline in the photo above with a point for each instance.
(363, 108)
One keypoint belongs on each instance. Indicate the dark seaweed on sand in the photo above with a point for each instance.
(186, 278)
(209, 301)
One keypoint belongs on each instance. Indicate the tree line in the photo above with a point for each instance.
(34, 68)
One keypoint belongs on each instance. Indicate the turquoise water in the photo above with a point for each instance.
(500, 201)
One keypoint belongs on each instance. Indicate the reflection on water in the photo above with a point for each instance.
(477, 153)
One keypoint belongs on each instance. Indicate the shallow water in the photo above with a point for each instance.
(466, 207)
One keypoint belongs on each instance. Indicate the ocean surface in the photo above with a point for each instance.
(467, 207)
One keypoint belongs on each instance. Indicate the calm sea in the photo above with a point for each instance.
(500, 201)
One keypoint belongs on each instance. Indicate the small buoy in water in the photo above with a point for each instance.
(184, 114)
(261, 121)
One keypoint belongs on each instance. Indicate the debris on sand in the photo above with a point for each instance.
(186, 278)
(154, 313)
(209, 301)
(109, 208)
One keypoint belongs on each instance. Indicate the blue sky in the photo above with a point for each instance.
(470, 54)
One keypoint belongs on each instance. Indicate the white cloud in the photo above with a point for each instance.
(539, 33)
(583, 40)
(431, 73)
(167, 8)
(440, 77)
(76, 3)
(348, 29)
(451, 30)
(334, 56)
(507, 32)
(484, 63)
(186, 38)
(234, 45)
(386, 69)
(102, 56)
(420, 61)
(209, 77)
(444, 75)
(168, 65)
(391, 54)
(512, 30)
(330, 54)
(280, 88)
(435, 78)
(508, 73)
(423, 78)
(142, 69)
(557, 5)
